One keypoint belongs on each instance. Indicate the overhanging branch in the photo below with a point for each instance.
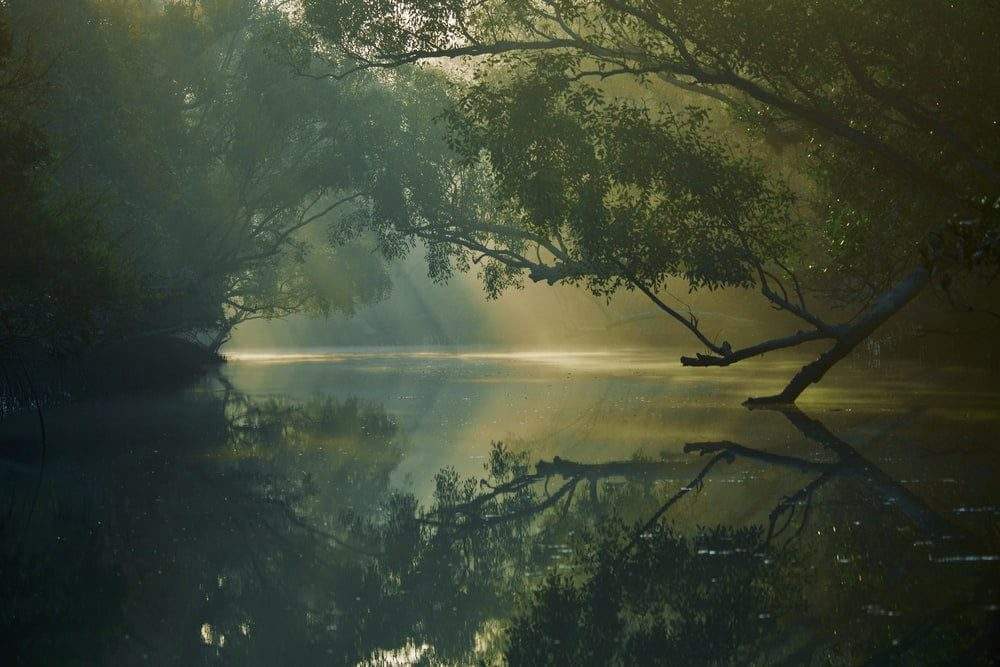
(794, 340)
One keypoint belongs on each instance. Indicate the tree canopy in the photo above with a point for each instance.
(194, 165)
(836, 157)
(184, 170)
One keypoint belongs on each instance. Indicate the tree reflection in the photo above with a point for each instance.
(193, 529)
(224, 528)
(847, 567)
(681, 600)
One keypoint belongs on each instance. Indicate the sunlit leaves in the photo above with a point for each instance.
(622, 183)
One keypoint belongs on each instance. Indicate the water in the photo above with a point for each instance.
(293, 509)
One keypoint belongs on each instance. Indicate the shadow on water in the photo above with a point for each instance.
(215, 527)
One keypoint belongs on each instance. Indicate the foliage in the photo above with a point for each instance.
(431, 583)
(891, 106)
(884, 119)
(622, 187)
(177, 151)
(674, 600)
(58, 263)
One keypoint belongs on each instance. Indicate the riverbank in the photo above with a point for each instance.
(152, 363)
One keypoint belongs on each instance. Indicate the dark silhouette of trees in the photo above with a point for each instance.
(58, 263)
(170, 174)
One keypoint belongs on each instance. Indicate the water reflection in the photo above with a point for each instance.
(622, 588)
(212, 526)
(189, 529)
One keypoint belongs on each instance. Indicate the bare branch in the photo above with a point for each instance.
(794, 340)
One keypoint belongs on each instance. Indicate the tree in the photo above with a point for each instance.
(263, 155)
(59, 266)
(191, 161)
(889, 109)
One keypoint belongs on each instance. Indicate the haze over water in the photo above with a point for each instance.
(597, 405)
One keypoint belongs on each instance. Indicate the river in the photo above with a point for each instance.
(352, 507)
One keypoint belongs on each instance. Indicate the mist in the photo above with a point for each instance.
(408, 332)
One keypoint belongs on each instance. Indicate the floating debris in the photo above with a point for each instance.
(965, 559)
(875, 610)
(986, 508)
(720, 552)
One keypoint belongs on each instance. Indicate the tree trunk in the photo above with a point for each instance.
(221, 338)
(849, 336)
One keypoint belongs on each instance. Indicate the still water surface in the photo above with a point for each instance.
(353, 507)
